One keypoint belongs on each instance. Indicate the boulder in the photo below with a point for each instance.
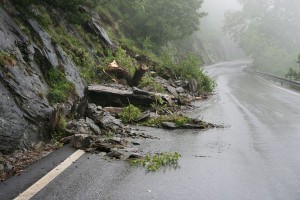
(116, 95)
(83, 126)
(81, 141)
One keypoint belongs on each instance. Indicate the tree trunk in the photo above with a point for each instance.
(138, 75)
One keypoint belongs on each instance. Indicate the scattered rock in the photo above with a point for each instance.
(8, 167)
(134, 156)
(114, 111)
(82, 126)
(115, 154)
(40, 145)
(144, 116)
(66, 140)
(135, 143)
(169, 125)
(173, 91)
(180, 90)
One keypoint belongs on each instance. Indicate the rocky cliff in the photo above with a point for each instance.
(26, 114)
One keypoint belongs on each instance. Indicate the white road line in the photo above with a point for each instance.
(40, 184)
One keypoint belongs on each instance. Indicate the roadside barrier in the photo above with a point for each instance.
(278, 80)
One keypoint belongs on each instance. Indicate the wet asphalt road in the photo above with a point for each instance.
(256, 157)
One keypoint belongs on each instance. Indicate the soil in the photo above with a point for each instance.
(14, 164)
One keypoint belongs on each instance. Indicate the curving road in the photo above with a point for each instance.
(255, 157)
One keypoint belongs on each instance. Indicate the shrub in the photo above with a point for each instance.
(190, 67)
(149, 81)
(130, 114)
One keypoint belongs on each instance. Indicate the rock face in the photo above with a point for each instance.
(26, 116)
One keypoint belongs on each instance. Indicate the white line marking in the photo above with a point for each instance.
(40, 184)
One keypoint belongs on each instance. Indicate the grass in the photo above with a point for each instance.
(155, 162)
(148, 81)
(60, 87)
(177, 119)
(76, 49)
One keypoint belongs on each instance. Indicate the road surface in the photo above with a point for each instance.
(257, 155)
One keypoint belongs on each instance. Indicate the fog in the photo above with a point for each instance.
(218, 44)
(266, 30)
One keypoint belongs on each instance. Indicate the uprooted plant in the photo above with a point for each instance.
(155, 162)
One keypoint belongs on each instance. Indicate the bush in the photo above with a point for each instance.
(190, 67)
(130, 114)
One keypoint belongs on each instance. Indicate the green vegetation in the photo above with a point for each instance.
(122, 59)
(59, 132)
(155, 162)
(156, 22)
(159, 105)
(177, 119)
(267, 33)
(135, 25)
(293, 74)
(60, 87)
(189, 67)
(109, 135)
(148, 81)
(130, 114)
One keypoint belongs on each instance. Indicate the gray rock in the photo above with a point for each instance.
(95, 28)
(144, 116)
(113, 110)
(40, 145)
(169, 125)
(109, 122)
(180, 90)
(173, 91)
(26, 117)
(93, 127)
(193, 84)
(81, 141)
(114, 154)
(2, 167)
(135, 156)
(8, 167)
(135, 143)
(102, 146)
(82, 126)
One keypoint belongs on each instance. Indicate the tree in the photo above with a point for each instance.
(161, 20)
(268, 32)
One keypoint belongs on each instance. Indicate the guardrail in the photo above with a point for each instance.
(276, 79)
